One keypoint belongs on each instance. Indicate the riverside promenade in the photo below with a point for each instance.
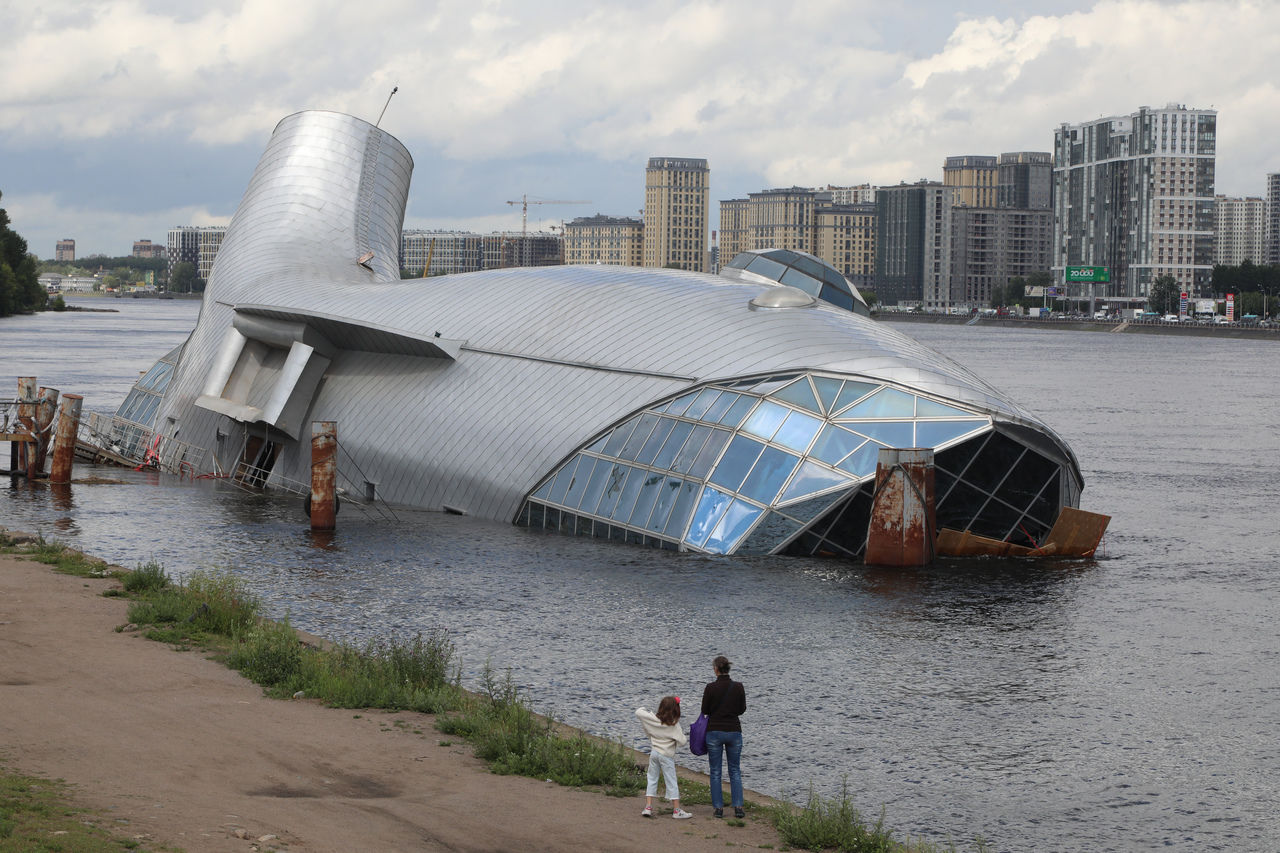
(178, 752)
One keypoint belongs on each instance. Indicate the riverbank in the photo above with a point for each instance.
(1145, 327)
(173, 750)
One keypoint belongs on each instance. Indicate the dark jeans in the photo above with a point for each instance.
(729, 743)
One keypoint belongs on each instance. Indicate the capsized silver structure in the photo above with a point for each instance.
(651, 406)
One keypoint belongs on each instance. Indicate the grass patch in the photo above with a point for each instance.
(514, 740)
(37, 814)
(62, 558)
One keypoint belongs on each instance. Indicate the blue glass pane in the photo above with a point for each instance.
(639, 437)
(737, 461)
(801, 394)
(544, 490)
(933, 433)
(768, 475)
(684, 459)
(766, 419)
(808, 266)
(732, 527)
(618, 437)
(612, 489)
(837, 296)
(889, 433)
(627, 500)
(654, 444)
(851, 392)
(885, 403)
(679, 519)
(597, 446)
(720, 407)
(798, 430)
(578, 487)
(810, 479)
(797, 279)
(711, 506)
(662, 509)
(703, 402)
(710, 453)
(926, 408)
(595, 487)
(679, 404)
(670, 447)
(828, 388)
(563, 477)
(835, 443)
(771, 532)
(767, 268)
(862, 461)
(738, 411)
(648, 496)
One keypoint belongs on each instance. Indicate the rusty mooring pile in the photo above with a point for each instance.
(28, 423)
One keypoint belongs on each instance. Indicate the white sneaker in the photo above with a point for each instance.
(648, 812)
(680, 814)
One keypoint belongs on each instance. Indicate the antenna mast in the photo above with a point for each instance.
(394, 89)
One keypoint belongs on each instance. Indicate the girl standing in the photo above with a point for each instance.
(663, 729)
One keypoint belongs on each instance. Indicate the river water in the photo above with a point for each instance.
(1127, 702)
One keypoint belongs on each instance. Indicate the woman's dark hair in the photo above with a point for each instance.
(668, 710)
(722, 665)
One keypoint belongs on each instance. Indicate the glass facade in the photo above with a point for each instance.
(140, 406)
(786, 464)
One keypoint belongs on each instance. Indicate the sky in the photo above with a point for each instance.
(120, 119)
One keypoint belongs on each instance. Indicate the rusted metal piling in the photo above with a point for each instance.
(903, 525)
(25, 452)
(322, 504)
(64, 444)
(46, 407)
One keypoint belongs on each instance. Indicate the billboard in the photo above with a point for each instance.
(1086, 274)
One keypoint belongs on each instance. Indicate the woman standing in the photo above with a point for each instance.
(723, 701)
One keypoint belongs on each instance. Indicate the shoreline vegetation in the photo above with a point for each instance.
(214, 614)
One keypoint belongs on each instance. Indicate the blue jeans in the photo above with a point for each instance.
(729, 743)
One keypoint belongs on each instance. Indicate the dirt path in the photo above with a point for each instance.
(177, 750)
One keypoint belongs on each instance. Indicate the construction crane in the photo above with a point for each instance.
(524, 218)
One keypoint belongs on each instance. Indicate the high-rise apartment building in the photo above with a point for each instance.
(845, 237)
(1238, 230)
(991, 245)
(974, 180)
(599, 239)
(784, 218)
(913, 245)
(677, 192)
(147, 249)
(1272, 229)
(65, 251)
(860, 194)
(197, 245)
(1135, 194)
(448, 252)
(1025, 180)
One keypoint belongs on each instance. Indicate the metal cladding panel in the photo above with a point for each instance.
(477, 434)
(545, 356)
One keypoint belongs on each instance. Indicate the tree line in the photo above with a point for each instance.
(20, 290)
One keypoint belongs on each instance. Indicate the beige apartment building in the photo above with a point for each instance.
(845, 237)
(677, 192)
(65, 251)
(735, 236)
(600, 239)
(973, 179)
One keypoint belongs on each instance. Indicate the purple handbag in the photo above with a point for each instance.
(698, 736)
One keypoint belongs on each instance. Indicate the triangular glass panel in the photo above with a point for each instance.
(678, 405)
(889, 433)
(862, 462)
(807, 510)
(810, 479)
(835, 443)
(936, 433)
(885, 403)
(773, 383)
(926, 408)
(598, 445)
(828, 390)
(771, 532)
(801, 394)
(851, 392)
(544, 491)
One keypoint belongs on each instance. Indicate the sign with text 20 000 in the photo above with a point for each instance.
(1088, 274)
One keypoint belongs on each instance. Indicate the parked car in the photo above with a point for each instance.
(1170, 318)
(1222, 320)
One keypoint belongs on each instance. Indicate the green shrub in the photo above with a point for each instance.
(832, 825)
(147, 577)
(268, 654)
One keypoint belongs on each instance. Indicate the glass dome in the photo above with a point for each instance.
(799, 270)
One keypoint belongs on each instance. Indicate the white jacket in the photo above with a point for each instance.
(664, 738)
